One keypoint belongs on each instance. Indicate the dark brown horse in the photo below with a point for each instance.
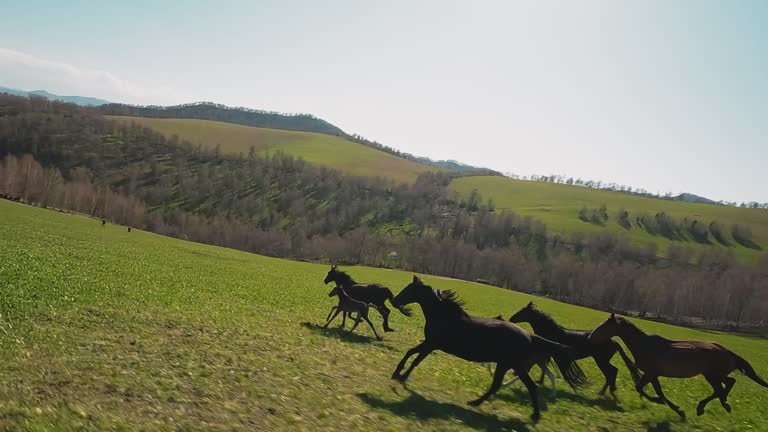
(375, 294)
(545, 326)
(660, 357)
(450, 329)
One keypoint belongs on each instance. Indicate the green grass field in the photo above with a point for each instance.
(558, 207)
(102, 330)
(331, 151)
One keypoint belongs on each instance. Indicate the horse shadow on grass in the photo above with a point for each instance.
(345, 335)
(418, 407)
(517, 395)
(653, 426)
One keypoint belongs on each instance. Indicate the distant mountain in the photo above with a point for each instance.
(457, 166)
(223, 113)
(77, 100)
(692, 198)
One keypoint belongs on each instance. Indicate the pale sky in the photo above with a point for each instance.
(668, 95)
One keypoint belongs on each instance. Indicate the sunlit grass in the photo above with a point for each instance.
(331, 151)
(558, 207)
(102, 329)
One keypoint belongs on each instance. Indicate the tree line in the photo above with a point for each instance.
(665, 225)
(616, 187)
(62, 156)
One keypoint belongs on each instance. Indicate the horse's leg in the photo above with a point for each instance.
(543, 366)
(498, 378)
(609, 371)
(408, 354)
(332, 318)
(512, 381)
(675, 408)
(384, 311)
(533, 392)
(644, 380)
(357, 321)
(728, 383)
(343, 319)
(715, 382)
(365, 317)
(551, 376)
(423, 353)
(331, 312)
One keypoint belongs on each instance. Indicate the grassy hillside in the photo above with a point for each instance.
(558, 206)
(328, 150)
(102, 329)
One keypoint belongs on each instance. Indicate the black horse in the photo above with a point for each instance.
(375, 294)
(545, 326)
(450, 329)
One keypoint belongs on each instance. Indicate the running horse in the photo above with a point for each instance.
(450, 329)
(660, 357)
(375, 294)
(546, 326)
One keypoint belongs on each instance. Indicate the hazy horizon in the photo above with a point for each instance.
(666, 97)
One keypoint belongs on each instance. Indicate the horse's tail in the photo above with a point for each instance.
(744, 367)
(564, 358)
(405, 310)
(633, 370)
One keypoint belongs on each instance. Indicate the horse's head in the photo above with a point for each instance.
(331, 275)
(524, 315)
(334, 291)
(613, 326)
(415, 292)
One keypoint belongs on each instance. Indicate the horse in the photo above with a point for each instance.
(449, 328)
(658, 357)
(545, 326)
(348, 305)
(541, 363)
(369, 293)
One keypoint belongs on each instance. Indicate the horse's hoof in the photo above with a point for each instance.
(727, 407)
(389, 330)
(398, 378)
(536, 416)
(380, 338)
(475, 402)
(700, 411)
(681, 414)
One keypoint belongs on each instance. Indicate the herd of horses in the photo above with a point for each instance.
(449, 328)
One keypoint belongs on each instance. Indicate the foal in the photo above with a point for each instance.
(661, 357)
(545, 326)
(348, 305)
(369, 293)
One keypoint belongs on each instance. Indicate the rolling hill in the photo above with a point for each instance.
(329, 150)
(235, 115)
(103, 329)
(558, 206)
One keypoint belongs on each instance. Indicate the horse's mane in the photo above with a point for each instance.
(546, 317)
(451, 301)
(345, 277)
(630, 324)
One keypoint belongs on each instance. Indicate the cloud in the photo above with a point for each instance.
(27, 72)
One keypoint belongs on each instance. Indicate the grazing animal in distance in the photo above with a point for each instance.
(541, 363)
(368, 293)
(348, 305)
(658, 357)
(545, 326)
(449, 328)
(103, 223)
